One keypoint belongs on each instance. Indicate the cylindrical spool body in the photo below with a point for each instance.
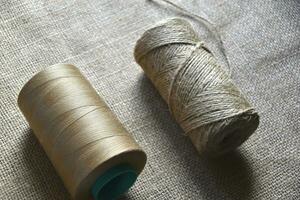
(77, 130)
(201, 96)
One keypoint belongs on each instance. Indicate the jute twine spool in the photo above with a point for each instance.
(201, 96)
(92, 152)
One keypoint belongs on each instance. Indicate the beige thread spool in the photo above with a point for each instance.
(200, 94)
(79, 133)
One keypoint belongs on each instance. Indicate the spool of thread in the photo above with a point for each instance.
(200, 94)
(90, 149)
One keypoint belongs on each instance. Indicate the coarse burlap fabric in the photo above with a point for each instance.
(262, 42)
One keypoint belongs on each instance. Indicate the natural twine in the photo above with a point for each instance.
(200, 94)
(77, 130)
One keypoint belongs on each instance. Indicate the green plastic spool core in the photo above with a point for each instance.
(114, 182)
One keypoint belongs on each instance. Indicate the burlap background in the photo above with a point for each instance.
(262, 39)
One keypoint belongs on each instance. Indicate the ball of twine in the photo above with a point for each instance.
(86, 143)
(200, 94)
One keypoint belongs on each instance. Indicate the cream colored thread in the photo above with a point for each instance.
(201, 95)
(71, 122)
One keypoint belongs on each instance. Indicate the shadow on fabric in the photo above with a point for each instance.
(232, 174)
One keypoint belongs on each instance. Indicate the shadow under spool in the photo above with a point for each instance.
(90, 149)
(200, 94)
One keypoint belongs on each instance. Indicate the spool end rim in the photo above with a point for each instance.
(114, 182)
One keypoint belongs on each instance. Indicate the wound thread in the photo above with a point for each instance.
(88, 146)
(200, 94)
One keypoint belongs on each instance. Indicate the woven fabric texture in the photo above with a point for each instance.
(262, 42)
